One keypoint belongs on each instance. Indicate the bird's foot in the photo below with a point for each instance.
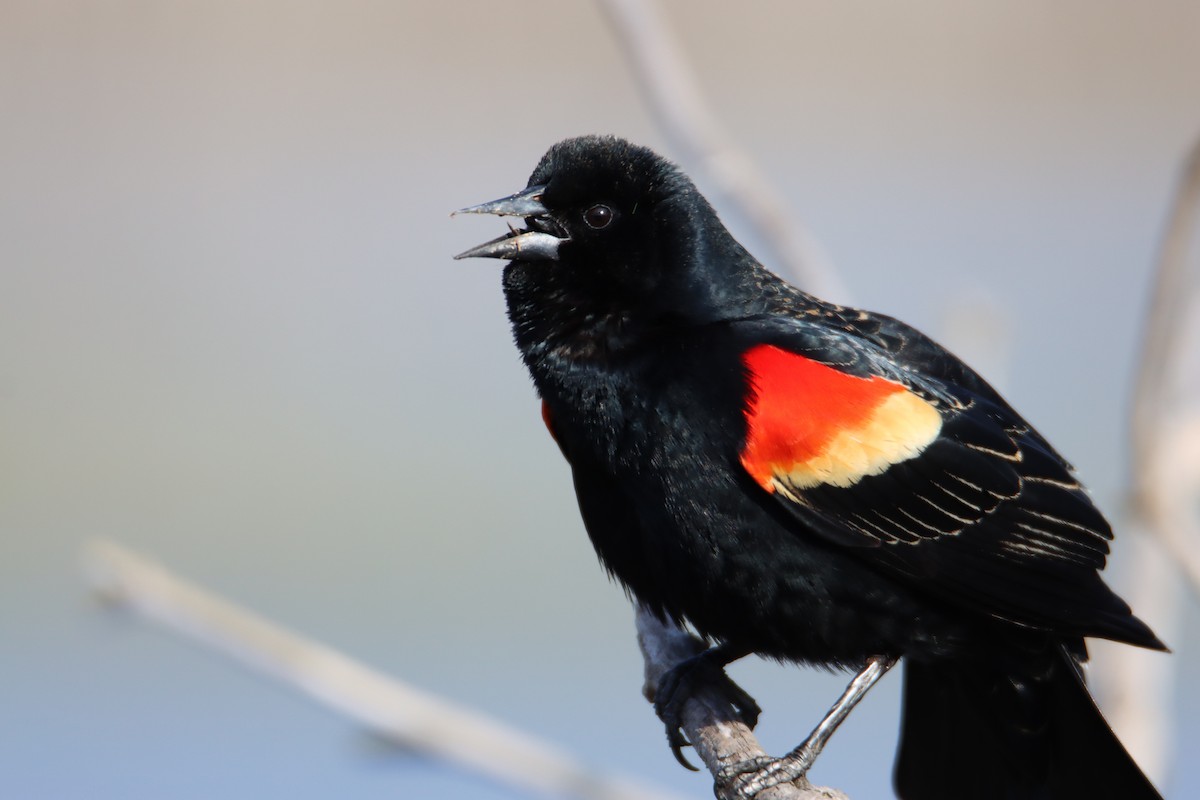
(745, 779)
(705, 670)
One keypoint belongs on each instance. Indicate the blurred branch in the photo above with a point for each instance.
(719, 738)
(672, 93)
(1164, 477)
(383, 706)
(1166, 451)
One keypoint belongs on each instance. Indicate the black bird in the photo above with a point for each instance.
(811, 483)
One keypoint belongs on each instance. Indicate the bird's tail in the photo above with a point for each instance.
(1019, 727)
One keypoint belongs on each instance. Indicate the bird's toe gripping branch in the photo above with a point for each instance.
(744, 780)
(706, 669)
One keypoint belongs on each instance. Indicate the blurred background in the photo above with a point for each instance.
(232, 337)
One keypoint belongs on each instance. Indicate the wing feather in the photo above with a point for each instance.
(984, 504)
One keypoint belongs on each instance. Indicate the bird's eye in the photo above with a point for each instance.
(598, 216)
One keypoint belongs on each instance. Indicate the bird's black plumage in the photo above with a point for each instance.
(811, 482)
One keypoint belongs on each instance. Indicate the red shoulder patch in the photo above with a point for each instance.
(810, 424)
(548, 420)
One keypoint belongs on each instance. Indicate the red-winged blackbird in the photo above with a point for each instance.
(811, 483)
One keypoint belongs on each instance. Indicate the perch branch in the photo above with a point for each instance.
(383, 706)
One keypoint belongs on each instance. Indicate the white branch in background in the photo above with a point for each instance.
(1165, 483)
(719, 738)
(385, 707)
(672, 93)
(1139, 687)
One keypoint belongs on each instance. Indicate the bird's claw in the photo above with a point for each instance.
(671, 694)
(678, 741)
(681, 682)
(745, 779)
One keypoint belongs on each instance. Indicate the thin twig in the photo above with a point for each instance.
(719, 738)
(1162, 491)
(672, 93)
(380, 704)
(1164, 478)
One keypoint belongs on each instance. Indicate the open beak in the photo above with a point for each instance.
(539, 244)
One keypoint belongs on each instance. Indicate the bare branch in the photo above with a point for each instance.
(1164, 479)
(671, 91)
(383, 706)
(719, 738)
(1165, 468)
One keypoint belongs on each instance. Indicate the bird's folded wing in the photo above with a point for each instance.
(932, 482)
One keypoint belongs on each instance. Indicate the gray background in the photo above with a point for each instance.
(231, 336)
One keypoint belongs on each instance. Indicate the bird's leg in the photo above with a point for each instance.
(706, 669)
(746, 779)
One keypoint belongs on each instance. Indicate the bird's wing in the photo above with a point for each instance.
(936, 482)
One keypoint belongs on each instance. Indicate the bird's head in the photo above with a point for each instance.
(613, 230)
